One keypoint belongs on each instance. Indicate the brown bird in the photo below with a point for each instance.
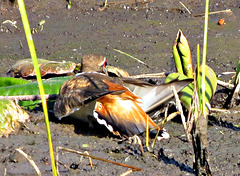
(119, 104)
(93, 62)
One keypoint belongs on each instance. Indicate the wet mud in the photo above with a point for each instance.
(145, 31)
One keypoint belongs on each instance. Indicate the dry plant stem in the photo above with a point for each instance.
(211, 13)
(185, 7)
(131, 57)
(30, 160)
(161, 125)
(224, 84)
(127, 172)
(147, 135)
(29, 97)
(220, 110)
(90, 159)
(190, 118)
(199, 138)
(235, 92)
(152, 75)
(130, 2)
(226, 73)
(64, 165)
(5, 171)
(97, 158)
(170, 117)
(179, 106)
(224, 111)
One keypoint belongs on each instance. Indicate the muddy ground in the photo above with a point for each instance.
(146, 31)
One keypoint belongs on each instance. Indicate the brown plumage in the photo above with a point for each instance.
(119, 104)
(97, 95)
(93, 62)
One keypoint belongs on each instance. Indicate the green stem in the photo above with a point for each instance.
(204, 59)
(198, 71)
(39, 79)
(105, 4)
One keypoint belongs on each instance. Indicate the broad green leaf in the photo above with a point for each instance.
(182, 55)
(186, 93)
(10, 116)
(210, 85)
(51, 86)
(177, 58)
(9, 81)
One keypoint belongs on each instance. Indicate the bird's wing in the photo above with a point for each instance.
(121, 114)
(78, 92)
(154, 95)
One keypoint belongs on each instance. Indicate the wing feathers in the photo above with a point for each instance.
(122, 113)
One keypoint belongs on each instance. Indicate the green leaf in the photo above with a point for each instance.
(51, 86)
(186, 93)
(182, 55)
(177, 58)
(9, 81)
(210, 85)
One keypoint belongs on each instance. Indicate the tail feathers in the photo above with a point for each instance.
(153, 96)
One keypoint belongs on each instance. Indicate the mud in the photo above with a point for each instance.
(145, 31)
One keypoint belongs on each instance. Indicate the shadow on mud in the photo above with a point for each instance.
(167, 160)
(219, 122)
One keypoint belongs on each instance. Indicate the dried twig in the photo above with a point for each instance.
(210, 13)
(94, 157)
(5, 171)
(226, 73)
(131, 57)
(151, 75)
(220, 110)
(30, 160)
(179, 106)
(161, 125)
(127, 172)
(185, 7)
(224, 84)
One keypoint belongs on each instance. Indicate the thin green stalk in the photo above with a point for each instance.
(198, 69)
(204, 58)
(131, 57)
(105, 4)
(147, 134)
(40, 84)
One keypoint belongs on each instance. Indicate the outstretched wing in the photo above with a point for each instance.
(154, 95)
(121, 113)
(78, 92)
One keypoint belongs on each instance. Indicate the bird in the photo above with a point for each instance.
(93, 62)
(120, 104)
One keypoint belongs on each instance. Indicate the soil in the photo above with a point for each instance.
(145, 31)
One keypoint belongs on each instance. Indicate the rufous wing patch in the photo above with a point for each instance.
(121, 114)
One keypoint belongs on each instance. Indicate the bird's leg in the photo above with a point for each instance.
(136, 140)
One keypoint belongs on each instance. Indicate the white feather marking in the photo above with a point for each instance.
(164, 135)
(102, 122)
